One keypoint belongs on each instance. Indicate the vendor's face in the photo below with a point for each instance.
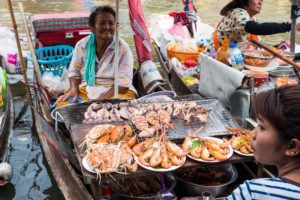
(254, 6)
(268, 149)
(104, 27)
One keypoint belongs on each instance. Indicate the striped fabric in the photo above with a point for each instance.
(267, 189)
(60, 22)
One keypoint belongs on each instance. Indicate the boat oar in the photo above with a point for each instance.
(23, 68)
(296, 65)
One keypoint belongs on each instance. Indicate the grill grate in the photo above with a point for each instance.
(219, 118)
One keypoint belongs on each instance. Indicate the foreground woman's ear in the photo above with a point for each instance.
(293, 148)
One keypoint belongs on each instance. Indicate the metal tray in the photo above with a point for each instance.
(219, 118)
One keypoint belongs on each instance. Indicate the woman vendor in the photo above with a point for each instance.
(239, 23)
(91, 71)
(276, 141)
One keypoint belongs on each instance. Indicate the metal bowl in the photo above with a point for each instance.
(193, 189)
(159, 94)
(284, 77)
(170, 183)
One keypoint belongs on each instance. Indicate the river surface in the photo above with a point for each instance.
(32, 178)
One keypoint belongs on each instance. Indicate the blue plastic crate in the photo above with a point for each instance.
(54, 58)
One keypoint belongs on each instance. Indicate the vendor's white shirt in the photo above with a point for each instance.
(104, 68)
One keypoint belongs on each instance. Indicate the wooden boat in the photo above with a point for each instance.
(58, 149)
(6, 125)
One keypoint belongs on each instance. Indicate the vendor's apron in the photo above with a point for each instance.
(217, 42)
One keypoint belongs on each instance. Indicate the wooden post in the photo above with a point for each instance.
(31, 46)
(116, 58)
(23, 68)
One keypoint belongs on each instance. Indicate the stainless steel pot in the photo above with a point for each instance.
(170, 183)
(191, 189)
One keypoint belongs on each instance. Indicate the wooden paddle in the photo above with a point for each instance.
(20, 54)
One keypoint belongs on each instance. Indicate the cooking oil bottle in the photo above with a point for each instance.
(223, 52)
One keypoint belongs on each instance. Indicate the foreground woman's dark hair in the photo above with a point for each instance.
(281, 107)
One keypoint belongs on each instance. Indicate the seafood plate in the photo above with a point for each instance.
(108, 133)
(207, 149)
(241, 141)
(158, 169)
(159, 154)
(107, 158)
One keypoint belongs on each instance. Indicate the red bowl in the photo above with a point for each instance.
(259, 76)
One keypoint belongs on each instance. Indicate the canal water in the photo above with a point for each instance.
(32, 178)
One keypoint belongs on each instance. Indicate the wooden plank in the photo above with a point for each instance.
(65, 176)
(6, 125)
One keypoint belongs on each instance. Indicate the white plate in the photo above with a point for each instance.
(270, 67)
(157, 169)
(86, 166)
(242, 154)
(261, 69)
(213, 161)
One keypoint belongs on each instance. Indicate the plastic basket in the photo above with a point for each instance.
(182, 56)
(54, 58)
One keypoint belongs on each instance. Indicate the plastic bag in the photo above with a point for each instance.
(10, 52)
(56, 85)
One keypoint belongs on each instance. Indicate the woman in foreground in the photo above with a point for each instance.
(276, 142)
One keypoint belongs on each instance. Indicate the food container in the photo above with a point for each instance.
(257, 58)
(284, 77)
(288, 55)
(190, 188)
(145, 182)
(259, 76)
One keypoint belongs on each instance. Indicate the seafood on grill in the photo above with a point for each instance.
(108, 112)
(107, 158)
(241, 141)
(107, 133)
(151, 121)
(190, 111)
(207, 149)
(159, 152)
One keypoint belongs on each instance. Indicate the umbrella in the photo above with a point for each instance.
(141, 34)
(151, 78)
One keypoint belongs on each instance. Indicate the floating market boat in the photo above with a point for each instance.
(6, 124)
(62, 130)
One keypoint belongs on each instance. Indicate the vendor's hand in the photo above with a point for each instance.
(71, 93)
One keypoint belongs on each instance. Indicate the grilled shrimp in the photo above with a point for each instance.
(196, 152)
(145, 157)
(215, 147)
(175, 149)
(176, 160)
(155, 159)
(165, 163)
(217, 155)
(142, 146)
(205, 155)
(187, 144)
